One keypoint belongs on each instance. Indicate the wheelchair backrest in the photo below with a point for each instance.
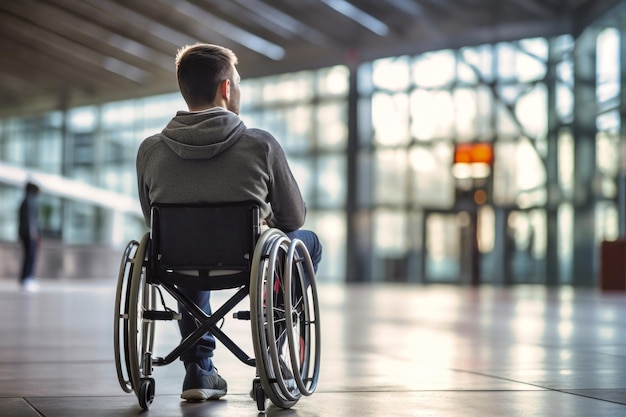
(204, 237)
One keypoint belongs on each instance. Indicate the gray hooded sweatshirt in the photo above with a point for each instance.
(212, 157)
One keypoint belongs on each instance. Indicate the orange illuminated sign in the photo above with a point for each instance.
(473, 153)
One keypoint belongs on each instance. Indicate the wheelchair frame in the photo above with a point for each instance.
(285, 326)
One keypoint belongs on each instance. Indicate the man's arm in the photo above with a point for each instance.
(284, 194)
(142, 188)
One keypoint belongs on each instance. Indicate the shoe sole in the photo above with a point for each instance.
(202, 394)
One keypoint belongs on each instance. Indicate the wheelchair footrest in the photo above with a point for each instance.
(161, 315)
(242, 315)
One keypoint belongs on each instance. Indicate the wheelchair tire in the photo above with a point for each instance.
(140, 330)
(120, 323)
(268, 309)
(302, 317)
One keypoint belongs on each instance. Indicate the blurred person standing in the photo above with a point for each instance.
(30, 236)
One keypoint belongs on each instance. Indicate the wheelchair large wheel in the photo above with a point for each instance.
(120, 323)
(285, 325)
(303, 317)
(140, 329)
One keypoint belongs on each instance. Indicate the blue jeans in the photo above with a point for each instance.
(202, 352)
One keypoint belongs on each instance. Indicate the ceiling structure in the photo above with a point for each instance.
(64, 53)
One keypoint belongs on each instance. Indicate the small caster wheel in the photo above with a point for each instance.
(146, 393)
(259, 395)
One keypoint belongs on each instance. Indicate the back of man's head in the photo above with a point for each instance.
(200, 68)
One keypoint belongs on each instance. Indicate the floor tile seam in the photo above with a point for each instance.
(580, 394)
(52, 362)
(502, 378)
(43, 397)
(427, 390)
(246, 395)
(33, 407)
(563, 391)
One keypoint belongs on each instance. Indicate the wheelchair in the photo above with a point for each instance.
(218, 247)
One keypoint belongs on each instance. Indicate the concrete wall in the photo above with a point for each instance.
(59, 261)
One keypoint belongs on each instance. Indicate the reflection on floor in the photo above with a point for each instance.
(387, 351)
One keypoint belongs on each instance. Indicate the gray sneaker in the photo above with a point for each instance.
(201, 385)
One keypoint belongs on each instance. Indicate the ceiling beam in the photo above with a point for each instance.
(276, 20)
(364, 19)
(205, 24)
(64, 48)
(125, 20)
(538, 8)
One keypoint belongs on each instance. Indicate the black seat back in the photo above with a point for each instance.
(204, 239)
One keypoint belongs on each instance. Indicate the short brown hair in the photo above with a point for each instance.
(200, 68)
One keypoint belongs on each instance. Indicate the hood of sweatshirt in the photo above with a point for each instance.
(204, 134)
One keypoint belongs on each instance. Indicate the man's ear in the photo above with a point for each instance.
(225, 89)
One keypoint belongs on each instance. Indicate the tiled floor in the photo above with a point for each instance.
(387, 351)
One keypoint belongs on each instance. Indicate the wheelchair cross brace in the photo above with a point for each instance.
(208, 323)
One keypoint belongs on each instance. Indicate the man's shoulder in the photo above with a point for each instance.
(152, 139)
(150, 142)
(255, 132)
(261, 136)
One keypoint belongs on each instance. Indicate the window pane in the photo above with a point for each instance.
(333, 81)
(82, 119)
(443, 246)
(389, 233)
(431, 175)
(607, 162)
(391, 74)
(505, 123)
(432, 114)
(564, 102)
(390, 176)
(434, 69)
(331, 181)
(531, 110)
(607, 220)
(288, 87)
(506, 53)
(480, 59)
(330, 226)
(466, 106)
(519, 174)
(531, 59)
(608, 65)
(291, 126)
(566, 163)
(332, 125)
(390, 118)
(302, 169)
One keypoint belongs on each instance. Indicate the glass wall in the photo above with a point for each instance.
(519, 96)
(307, 113)
(97, 145)
(552, 119)
(608, 124)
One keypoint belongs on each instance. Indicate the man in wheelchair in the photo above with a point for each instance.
(208, 155)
